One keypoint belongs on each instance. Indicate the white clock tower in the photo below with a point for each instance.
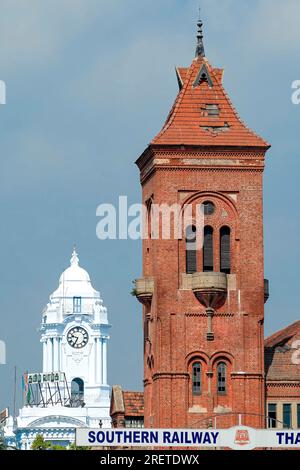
(72, 390)
(75, 336)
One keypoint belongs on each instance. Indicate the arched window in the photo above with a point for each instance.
(196, 378)
(77, 392)
(225, 258)
(191, 252)
(222, 379)
(208, 249)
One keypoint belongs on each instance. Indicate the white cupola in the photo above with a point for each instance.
(75, 335)
(74, 295)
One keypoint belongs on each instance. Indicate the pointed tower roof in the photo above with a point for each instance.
(203, 113)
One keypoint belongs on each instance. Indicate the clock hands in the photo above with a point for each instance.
(78, 338)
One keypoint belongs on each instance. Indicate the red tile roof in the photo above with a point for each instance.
(279, 351)
(283, 335)
(181, 72)
(188, 123)
(133, 403)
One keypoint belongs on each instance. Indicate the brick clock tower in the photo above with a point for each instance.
(203, 309)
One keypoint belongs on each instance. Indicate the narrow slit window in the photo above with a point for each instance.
(196, 379)
(222, 373)
(208, 249)
(191, 252)
(225, 254)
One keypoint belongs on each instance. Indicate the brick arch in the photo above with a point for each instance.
(222, 202)
(219, 355)
(210, 195)
(194, 355)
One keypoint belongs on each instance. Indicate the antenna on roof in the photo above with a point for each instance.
(200, 52)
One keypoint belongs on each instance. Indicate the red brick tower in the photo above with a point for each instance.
(204, 308)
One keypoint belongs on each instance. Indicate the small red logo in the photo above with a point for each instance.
(242, 437)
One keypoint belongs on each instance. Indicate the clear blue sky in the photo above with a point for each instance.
(89, 83)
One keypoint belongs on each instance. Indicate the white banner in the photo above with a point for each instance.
(237, 438)
(34, 378)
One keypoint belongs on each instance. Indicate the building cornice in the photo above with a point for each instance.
(283, 383)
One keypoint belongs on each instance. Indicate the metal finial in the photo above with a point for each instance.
(200, 46)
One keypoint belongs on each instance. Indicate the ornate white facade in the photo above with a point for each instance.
(74, 334)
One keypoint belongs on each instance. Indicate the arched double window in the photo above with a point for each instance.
(222, 378)
(196, 379)
(191, 251)
(225, 257)
(208, 249)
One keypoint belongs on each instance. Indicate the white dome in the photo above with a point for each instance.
(74, 295)
(74, 272)
(75, 281)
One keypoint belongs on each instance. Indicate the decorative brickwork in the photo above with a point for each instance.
(191, 161)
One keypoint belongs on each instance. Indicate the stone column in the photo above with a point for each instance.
(104, 361)
(59, 354)
(55, 366)
(50, 354)
(99, 361)
(97, 365)
(44, 355)
(47, 346)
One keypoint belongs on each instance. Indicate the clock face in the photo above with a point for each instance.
(77, 337)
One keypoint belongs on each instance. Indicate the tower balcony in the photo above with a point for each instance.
(144, 289)
(266, 289)
(210, 288)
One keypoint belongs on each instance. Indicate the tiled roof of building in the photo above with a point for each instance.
(133, 403)
(127, 403)
(282, 335)
(281, 355)
(190, 123)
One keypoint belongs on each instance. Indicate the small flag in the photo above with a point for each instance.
(26, 389)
